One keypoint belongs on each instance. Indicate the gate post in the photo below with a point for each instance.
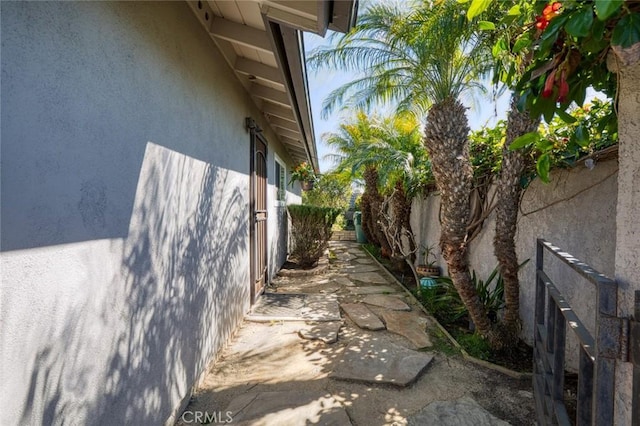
(634, 357)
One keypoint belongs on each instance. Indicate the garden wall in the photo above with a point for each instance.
(576, 211)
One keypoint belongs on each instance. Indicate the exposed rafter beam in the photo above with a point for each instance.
(289, 133)
(283, 124)
(265, 72)
(273, 95)
(278, 111)
(292, 141)
(241, 34)
(295, 149)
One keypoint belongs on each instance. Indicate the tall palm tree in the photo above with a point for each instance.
(509, 67)
(509, 189)
(423, 58)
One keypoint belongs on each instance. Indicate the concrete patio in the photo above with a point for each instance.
(349, 347)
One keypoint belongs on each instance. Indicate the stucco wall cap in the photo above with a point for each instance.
(620, 58)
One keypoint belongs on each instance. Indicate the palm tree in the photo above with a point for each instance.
(352, 141)
(381, 150)
(509, 67)
(424, 59)
(509, 189)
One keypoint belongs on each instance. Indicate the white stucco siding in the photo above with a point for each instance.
(125, 210)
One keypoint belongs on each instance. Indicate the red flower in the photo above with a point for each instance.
(548, 85)
(541, 23)
(564, 87)
(551, 10)
(548, 13)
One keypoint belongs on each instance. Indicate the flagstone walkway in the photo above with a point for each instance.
(349, 347)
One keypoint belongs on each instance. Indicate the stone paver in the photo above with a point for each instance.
(343, 281)
(326, 331)
(295, 307)
(409, 325)
(375, 289)
(360, 269)
(374, 362)
(362, 316)
(288, 373)
(368, 277)
(284, 408)
(393, 303)
(461, 412)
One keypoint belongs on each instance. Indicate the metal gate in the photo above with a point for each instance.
(598, 355)
(258, 201)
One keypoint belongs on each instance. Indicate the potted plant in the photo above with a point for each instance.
(305, 174)
(428, 268)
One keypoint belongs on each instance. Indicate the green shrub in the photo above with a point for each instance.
(444, 302)
(311, 231)
(475, 345)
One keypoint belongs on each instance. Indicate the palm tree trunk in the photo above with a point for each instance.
(371, 216)
(446, 139)
(368, 218)
(509, 190)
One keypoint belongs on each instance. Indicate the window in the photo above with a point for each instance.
(281, 182)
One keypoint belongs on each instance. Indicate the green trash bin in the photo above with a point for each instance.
(357, 222)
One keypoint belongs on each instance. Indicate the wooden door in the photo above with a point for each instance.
(258, 213)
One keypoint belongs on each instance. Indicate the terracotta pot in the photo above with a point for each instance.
(428, 271)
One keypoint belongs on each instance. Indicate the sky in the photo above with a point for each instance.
(486, 111)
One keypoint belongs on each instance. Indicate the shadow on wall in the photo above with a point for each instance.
(181, 292)
(279, 244)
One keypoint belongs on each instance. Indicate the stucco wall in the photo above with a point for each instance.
(576, 212)
(627, 260)
(125, 210)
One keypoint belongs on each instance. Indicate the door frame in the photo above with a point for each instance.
(256, 138)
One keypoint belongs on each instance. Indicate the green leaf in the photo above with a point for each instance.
(597, 30)
(606, 8)
(514, 11)
(627, 31)
(477, 7)
(544, 145)
(486, 25)
(463, 1)
(499, 47)
(580, 23)
(524, 140)
(542, 167)
(566, 117)
(582, 136)
(521, 43)
(548, 111)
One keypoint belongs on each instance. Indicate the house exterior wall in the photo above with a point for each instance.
(576, 212)
(125, 210)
